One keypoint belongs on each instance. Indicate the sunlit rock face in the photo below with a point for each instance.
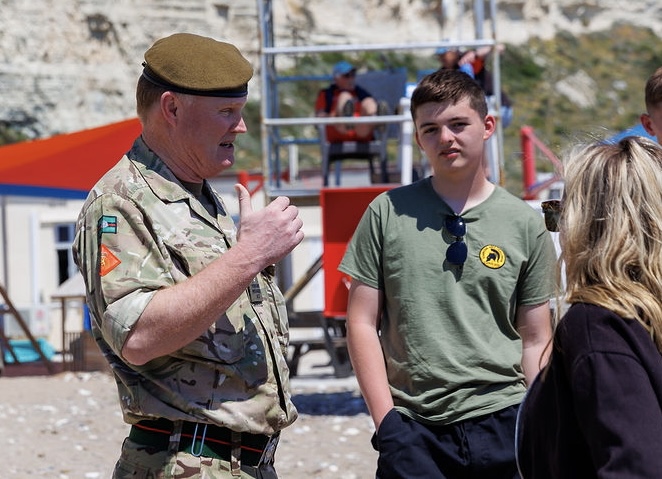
(65, 66)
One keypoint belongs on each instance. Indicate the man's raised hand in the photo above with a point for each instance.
(270, 233)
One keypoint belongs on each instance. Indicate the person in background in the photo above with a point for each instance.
(452, 58)
(472, 62)
(345, 98)
(184, 307)
(448, 312)
(652, 119)
(595, 411)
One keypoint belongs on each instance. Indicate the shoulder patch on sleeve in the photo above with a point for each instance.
(108, 224)
(108, 261)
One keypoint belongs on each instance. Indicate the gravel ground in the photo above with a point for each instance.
(68, 426)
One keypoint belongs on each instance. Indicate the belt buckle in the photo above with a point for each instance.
(269, 450)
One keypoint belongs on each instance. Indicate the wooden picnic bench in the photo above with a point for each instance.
(311, 330)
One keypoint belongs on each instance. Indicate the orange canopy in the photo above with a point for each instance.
(64, 166)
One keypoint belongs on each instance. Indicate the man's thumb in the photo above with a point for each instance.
(244, 197)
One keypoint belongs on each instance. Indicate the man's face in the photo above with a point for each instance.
(206, 130)
(449, 58)
(652, 122)
(346, 81)
(452, 136)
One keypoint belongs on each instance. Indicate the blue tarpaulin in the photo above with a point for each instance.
(637, 130)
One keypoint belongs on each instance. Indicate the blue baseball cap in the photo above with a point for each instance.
(442, 50)
(342, 68)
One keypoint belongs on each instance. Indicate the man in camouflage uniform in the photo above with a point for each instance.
(184, 308)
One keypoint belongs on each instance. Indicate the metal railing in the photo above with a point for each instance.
(272, 121)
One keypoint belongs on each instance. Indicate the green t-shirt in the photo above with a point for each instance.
(448, 333)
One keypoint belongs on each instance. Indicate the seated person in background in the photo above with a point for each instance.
(345, 98)
(472, 62)
(451, 58)
(652, 119)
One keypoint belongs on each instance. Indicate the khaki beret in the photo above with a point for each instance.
(188, 63)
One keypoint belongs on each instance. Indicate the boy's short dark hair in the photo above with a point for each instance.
(653, 91)
(448, 85)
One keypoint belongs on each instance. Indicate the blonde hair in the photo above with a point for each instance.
(611, 229)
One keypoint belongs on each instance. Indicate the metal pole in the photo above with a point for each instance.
(5, 259)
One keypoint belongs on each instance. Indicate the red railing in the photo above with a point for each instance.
(530, 143)
(256, 180)
(244, 178)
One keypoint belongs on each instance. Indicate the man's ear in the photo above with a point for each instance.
(645, 120)
(168, 104)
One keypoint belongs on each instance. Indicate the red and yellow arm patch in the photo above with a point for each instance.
(108, 261)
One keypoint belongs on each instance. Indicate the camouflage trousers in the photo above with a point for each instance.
(143, 462)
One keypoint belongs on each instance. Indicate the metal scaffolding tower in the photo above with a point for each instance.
(272, 121)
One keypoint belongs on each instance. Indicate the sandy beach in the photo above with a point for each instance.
(68, 425)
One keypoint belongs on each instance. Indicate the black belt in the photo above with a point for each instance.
(212, 441)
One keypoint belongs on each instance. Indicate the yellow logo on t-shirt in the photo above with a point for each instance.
(492, 256)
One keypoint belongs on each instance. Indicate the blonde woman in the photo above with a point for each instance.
(596, 410)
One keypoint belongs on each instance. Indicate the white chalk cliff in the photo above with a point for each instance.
(69, 65)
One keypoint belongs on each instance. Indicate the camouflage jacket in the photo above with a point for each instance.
(139, 231)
